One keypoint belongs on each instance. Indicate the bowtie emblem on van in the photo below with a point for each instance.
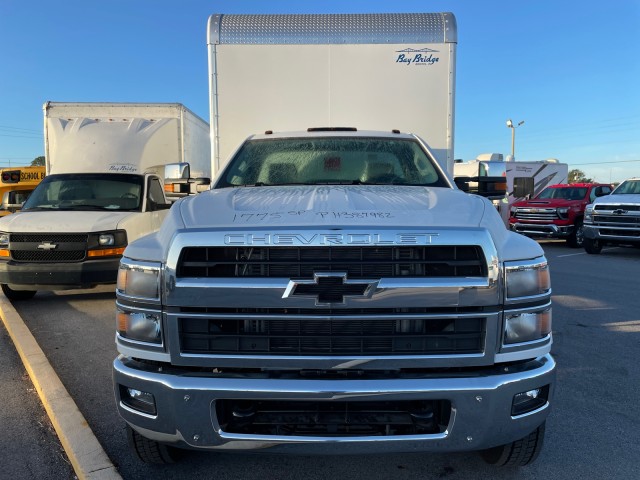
(330, 288)
(619, 211)
(47, 246)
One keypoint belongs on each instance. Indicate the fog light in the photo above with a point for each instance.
(529, 401)
(138, 400)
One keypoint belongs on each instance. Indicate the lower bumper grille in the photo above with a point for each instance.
(331, 336)
(334, 418)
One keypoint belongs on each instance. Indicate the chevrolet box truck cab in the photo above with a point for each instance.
(334, 292)
(104, 188)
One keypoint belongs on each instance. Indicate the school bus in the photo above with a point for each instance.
(16, 183)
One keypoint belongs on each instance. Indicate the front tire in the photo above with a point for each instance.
(576, 239)
(18, 295)
(592, 246)
(150, 451)
(516, 454)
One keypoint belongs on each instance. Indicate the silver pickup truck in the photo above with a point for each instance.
(614, 219)
(334, 292)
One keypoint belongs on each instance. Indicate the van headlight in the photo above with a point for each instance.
(140, 279)
(527, 278)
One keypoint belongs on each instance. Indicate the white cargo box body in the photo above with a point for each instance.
(124, 137)
(292, 72)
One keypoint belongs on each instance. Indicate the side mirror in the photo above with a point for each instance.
(177, 170)
(462, 183)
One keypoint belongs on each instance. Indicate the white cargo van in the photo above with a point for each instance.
(104, 188)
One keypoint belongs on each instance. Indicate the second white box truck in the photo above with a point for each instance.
(104, 188)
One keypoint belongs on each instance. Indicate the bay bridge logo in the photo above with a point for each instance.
(412, 56)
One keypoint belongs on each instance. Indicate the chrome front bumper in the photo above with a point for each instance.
(481, 403)
(543, 230)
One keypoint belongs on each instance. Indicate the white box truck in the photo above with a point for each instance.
(106, 164)
(345, 297)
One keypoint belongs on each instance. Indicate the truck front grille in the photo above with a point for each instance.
(617, 220)
(546, 214)
(49, 247)
(357, 262)
(331, 336)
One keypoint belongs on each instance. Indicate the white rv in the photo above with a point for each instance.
(523, 179)
(106, 164)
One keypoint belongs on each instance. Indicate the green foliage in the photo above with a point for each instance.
(38, 162)
(577, 176)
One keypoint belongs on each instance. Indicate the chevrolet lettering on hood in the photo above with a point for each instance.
(330, 239)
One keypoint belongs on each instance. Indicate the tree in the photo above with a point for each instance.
(38, 162)
(577, 176)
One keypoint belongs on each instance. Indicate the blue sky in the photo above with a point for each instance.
(570, 70)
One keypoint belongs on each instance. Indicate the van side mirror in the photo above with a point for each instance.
(462, 183)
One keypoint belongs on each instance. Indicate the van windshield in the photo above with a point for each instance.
(87, 191)
(331, 160)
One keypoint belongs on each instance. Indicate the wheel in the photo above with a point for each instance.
(516, 454)
(150, 451)
(576, 239)
(12, 294)
(592, 246)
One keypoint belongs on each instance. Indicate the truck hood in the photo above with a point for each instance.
(331, 205)
(330, 208)
(625, 199)
(62, 221)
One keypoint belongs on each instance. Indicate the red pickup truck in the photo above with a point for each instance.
(557, 211)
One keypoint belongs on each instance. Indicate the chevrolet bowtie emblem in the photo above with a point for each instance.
(619, 211)
(330, 288)
(47, 246)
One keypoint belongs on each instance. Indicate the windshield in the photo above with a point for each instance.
(566, 193)
(628, 187)
(90, 191)
(335, 160)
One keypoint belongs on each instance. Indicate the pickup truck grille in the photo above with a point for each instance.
(547, 214)
(331, 336)
(617, 220)
(357, 262)
(49, 247)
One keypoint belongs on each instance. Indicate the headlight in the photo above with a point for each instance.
(139, 326)
(563, 212)
(527, 279)
(588, 213)
(4, 240)
(106, 239)
(527, 327)
(139, 279)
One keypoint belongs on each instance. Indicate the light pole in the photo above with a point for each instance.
(513, 136)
